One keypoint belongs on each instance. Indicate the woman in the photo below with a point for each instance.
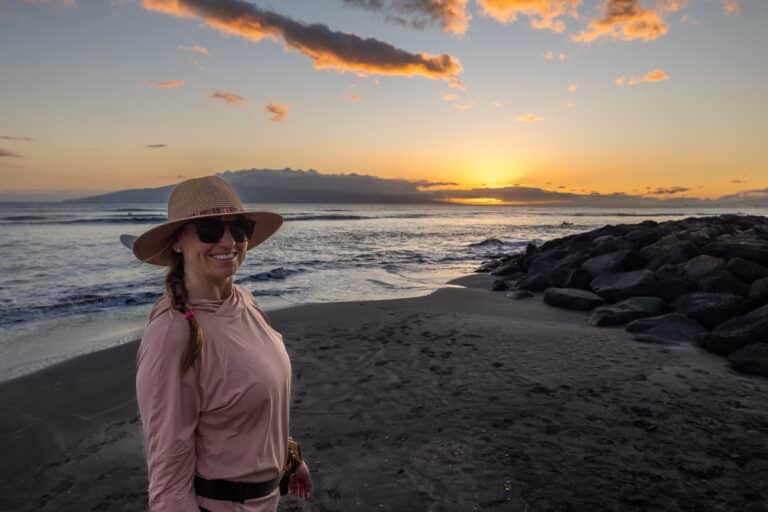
(213, 378)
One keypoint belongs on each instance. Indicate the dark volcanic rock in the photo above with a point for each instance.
(751, 359)
(722, 281)
(759, 290)
(500, 285)
(701, 265)
(709, 309)
(672, 326)
(571, 298)
(508, 267)
(610, 243)
(616, 286)
(611, 262)
(737, 332)
(747, 270)
(671, 282)
(534, 282)
(665, 252)
(753, 250)
(576, 278)
(626, 311)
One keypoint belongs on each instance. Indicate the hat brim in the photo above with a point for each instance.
(154, 245)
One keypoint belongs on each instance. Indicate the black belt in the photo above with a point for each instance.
(228, 490)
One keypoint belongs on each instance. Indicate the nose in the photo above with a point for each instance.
(227, 238)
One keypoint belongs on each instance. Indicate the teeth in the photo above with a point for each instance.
(227, 256)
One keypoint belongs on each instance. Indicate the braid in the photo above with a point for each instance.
(177, 292)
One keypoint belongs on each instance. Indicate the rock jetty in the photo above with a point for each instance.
(700, 279)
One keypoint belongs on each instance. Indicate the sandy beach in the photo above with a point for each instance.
(461, 400)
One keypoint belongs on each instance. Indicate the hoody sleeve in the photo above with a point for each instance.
(169, 404)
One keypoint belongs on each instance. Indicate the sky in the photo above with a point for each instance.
(658, 99)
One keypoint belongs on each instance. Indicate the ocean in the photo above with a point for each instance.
(68, 287)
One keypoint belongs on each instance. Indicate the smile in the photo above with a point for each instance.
(224, 256)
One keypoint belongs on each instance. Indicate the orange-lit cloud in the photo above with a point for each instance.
(53, 3)
(529, 118)
(155, 146)
(732, 6)
(670, 5)
(196, 48)
(549, 56)
(279, 112)
(327, 48)
(451, 15)
(665, 191)
(228, 97)
(355, 98)
(657, 75)
(625, 20)
(544, 14)
(6, 153)
(169, 84)
(461, 106)
(572, 88)
(449, 96)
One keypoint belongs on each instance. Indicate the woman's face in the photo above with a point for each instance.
(212, 262)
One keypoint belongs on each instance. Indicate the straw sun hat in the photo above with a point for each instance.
(194, 199)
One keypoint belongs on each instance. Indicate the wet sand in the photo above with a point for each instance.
(462, 400)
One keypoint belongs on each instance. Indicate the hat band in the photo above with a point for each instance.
(214, 211)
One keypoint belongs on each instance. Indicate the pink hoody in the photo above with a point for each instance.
(226, 419)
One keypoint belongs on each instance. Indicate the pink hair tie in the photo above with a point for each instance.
(189, 314)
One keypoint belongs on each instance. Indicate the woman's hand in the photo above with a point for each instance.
(300, 484)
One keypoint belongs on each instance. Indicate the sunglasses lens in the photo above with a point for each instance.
(241, 229)
(209, 231)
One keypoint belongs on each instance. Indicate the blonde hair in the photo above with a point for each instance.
(177, 291)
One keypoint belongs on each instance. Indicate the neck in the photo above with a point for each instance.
(208, 290)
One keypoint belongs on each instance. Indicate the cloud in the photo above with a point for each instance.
(738, 182)
(433, 184)
(544, 14)
(155, 146)
(354, 98)
(529, 118)
(620, 80)
(625, 20)
(197, 49)
(561, 57)
(667, 191)
(732, 6)
(461, 106)
(670, 5)
(657, 75)
(169, 84)
(572, 88)
(279, 112)
(9, 154)
(549, 56)
(328, 49)
(451, 15)
(12, 138)
(449, 96)
(53, 3)
(228, 97)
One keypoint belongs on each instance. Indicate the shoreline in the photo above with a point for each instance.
(461, 399)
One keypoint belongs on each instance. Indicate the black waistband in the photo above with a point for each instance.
(228, 490)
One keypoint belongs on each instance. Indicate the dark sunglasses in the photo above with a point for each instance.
(210, 231)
